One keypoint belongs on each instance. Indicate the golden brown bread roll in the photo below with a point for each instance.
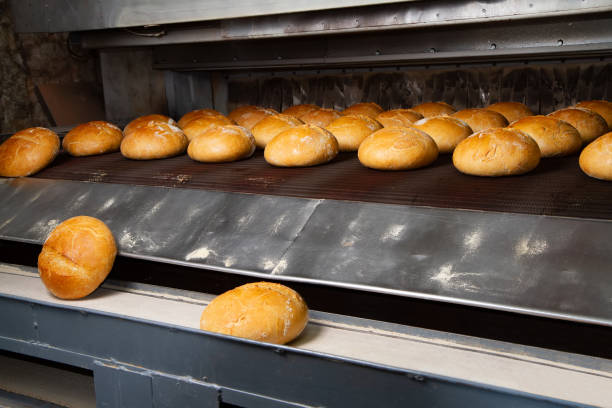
(300, 110)
(301, 146)
(428, 109)
(596, 159)
(588, 123)
(28, 151)
(155, 140)
(398, 148)
(320, 117)
(553, 136)
(604, 108)
(370, 109)
(198, 126)
(398, 117)
(446, 131)
(271, 126)
(248, 116)
(189, 116)
(512, 111)
(261, 311)
(481, 119)
(222, 144)
(76, 257)
(350, 130)
(144, 120)
(497, 152)
(88, 139)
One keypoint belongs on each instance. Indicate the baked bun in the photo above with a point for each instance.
(222, 144)
(271, 126)
(398, 117)
(350, 130)
(363, 108)
(248, 116)
(428, 109)
(588, 123)
(497, 152)
(144, 120)
(596, 159)
(446, 131)
(198, 126)
(481, 119)
(76, 257)
(28, 151)
(320, 117)
(155, 140)
(261, 311)
(301, 146)
(512, 111)
(604, 108)
(88, 139)
(553, 136)
(189, 116)
(399, 148)
(300, 110)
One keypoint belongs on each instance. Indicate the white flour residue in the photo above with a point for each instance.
(472, 240)
(394, 232)
(200, 253)
(530, 247)
(280, 267)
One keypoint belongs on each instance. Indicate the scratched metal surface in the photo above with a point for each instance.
(541, 265)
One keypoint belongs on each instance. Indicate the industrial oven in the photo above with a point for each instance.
(426, 287)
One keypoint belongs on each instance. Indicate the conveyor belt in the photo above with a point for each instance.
(557, 187)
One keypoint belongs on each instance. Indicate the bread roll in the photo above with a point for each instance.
(596, 159)
(399, 148)
(512, 111)
(301, 146)
(144, 120)
(350, 130)
(398, 117)
(88, 139)
(189, 116)
(446, 131)
(496, 152)
(28, 151)
(222, 144)
(300, 110)
(248, 116)
(271, 126)
(481, 119)
(320, 117)
(76, 257)
(588, 123)
(364, 108)
(155, 140)
(604, 108)
(198, 126)
(553, 136)
(261, 311)
(428, 109)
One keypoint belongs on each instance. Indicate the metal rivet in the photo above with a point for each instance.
(418, 378)
(493, 46)
(432, 50)
(484, 10)
(377, 52)
(560, 42)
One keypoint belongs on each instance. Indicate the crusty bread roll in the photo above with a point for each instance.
(301, 146)
(144, 120)
(300, 110)
(76, 257)
(261, 311)
(596, 159)
(588, 123)
(553, 136)
(446, 131)
(481, 119)
(512, 111)
(370, 109)
(248, 116)
(350, 130)
(222, 144)
(88, 139)
(28, 151)
(398, 148)
(155, 140)
(189, 116)
(271, 126)
(398, 117)
(428, 109)
(198, 126)
(497, 152)
(320, 117)
(604, 108)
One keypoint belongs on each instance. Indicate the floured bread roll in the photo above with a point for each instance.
(398, 148)
(222, 144)
(271, 126)
(481, 119)
(588, 123)
(301, 146)
(248, 116)
(512, 111)
(189, 116)
(155, 140)
(300, 110)
(363, 108)
(97, 137)
(200, 125)
(428, 109)
(603, 108)
(28, 151)
(596, 158)
(398, 117)
(320, 117)
(144, 120)
(350, 130)
(553, 136)
(446, 131)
